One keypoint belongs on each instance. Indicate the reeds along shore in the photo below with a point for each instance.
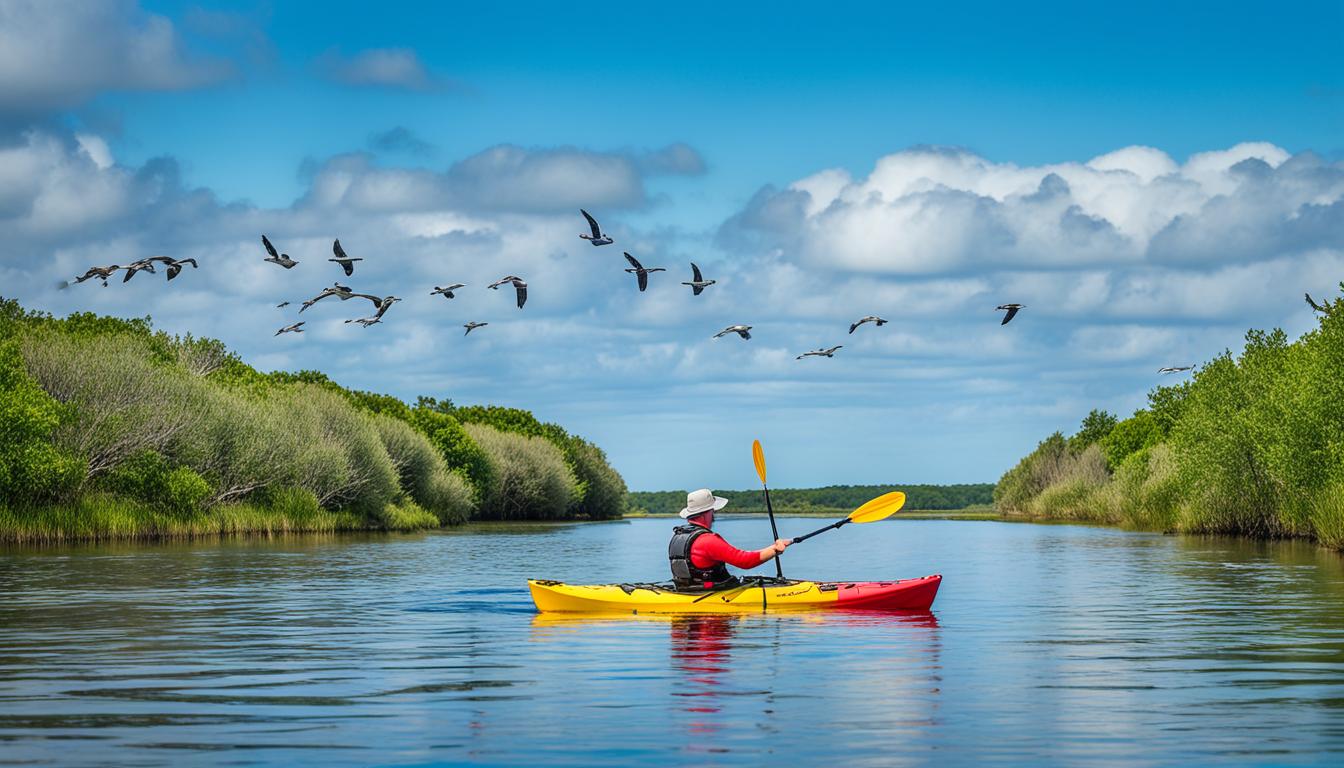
(1252, 445)
(109, 429)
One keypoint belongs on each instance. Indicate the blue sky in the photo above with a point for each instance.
(920, 163)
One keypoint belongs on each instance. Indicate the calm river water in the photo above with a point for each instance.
(1047, 645)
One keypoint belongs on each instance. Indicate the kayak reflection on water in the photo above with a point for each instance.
(720, 666)
(701, 650)
(702, 656)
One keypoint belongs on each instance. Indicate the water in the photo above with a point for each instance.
(1047, 644)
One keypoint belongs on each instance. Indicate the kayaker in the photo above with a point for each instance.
(700, 557)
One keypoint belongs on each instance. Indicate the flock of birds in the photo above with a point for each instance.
(381, 304)
(174, 266)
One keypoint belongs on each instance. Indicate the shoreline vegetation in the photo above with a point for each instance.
(839, 500)
(112, 430)
(1252, 445)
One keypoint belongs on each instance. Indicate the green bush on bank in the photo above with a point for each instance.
(601, 491)
(604, 494)
(147, 477)
(1252, 445)
(109, 428)
(529, 477)
(32, 468)
(423, 473)
(456, 447)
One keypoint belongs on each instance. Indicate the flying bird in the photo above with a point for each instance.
(741, 330)
(828, 352)
(143, 265)
(380, 304)
(597, 238)
(347, 263)
(295, 328)
(366, 321)
(1012, 310)
(282, 305)
(518, 285)
(871, 319)
(698, 283)
(336, 289)
(101, 273)
(1325, 310)
(174, 265)
(473, 326)
(276, 257)
(447, 290)
(1175, 369)
(640, 272)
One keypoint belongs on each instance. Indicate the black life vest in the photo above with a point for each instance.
(684, 573)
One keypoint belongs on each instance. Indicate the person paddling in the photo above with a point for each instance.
(699, 557)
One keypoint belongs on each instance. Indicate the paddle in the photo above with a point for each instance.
(758, 456)
(881, 508)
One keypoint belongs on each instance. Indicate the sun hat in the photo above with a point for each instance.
(700, 501)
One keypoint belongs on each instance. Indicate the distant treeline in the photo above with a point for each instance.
(109, 428)
(1252, 445)
(832, 497)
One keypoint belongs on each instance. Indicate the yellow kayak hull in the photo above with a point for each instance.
(903, 595)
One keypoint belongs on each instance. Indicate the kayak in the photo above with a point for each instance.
(751, 596)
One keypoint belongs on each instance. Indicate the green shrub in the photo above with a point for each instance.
(31, 467)
(504, 419)
(458, 450)
(423, 474)
(406, 516)
(121, 399)
(369, 480)
(1160, 493)
(1096, 425)
(294, 504)
(244, 444)
(529, 478)
(449, 496)
(1072, 481)
(1130, 436)
(604, 494)
(1327, 515)
(1063, 499)
(1166, 404)
(148, 477)
(1033, 474)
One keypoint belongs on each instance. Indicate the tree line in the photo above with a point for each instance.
(843, 498)
(1252, 444)
(108, 427)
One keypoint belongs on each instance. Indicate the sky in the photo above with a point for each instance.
(1150, 180)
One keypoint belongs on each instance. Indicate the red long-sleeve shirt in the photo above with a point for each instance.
(710, 549)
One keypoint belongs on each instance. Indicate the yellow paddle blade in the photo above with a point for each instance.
(758, 456)
(881, 508)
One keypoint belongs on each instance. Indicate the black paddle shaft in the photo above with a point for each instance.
(779, 567)
(807, 536)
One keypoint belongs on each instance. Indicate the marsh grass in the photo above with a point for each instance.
(104, 516)
(406, 516)
(1327, 516)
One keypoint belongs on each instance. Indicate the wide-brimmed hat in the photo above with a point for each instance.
(700, 501)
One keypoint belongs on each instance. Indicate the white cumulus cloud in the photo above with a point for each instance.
(932, 210)
(58, 53)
